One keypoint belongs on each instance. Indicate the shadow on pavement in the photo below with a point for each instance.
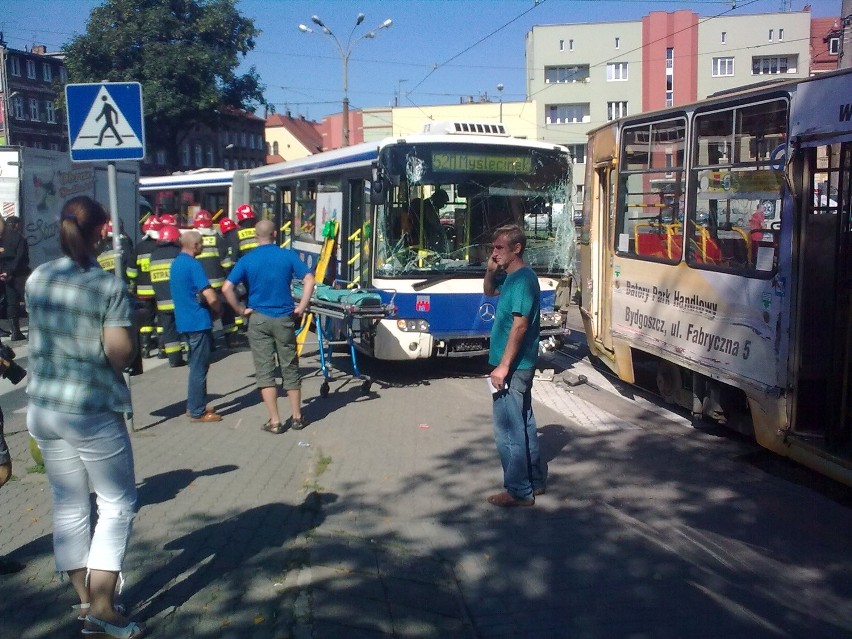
(226, 553)
(164, 487)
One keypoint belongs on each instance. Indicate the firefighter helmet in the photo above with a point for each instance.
(167, 219)
(226, 225)
(202, 220)
(244, 212)
(169, 234)
(151, 223)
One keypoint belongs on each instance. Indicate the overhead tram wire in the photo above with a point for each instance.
(437, 66)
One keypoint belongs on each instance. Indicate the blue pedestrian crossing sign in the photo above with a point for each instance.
(105, 121)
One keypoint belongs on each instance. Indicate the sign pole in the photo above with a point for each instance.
(105, 124)
(112, 183)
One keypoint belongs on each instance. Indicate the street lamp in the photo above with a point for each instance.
(500, 93)
(345, 52)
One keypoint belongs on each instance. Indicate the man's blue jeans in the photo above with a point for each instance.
(516, 437)
(199, 362)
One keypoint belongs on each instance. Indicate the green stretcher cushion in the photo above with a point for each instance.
(354, 297)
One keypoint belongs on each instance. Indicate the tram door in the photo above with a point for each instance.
(601, 244)
(823, 406)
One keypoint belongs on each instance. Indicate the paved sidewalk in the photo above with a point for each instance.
(372, 522)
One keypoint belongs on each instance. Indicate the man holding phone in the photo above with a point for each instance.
(514, 353)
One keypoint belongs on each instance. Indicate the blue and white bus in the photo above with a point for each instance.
(378, 193)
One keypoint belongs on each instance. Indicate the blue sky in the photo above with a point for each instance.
(436, 51)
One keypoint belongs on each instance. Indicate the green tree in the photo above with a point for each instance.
(185, 53)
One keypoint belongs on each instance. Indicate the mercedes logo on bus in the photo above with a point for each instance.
(487, 312)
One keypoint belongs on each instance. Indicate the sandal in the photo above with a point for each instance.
(275, 429)
(81, 616)
(132, 630)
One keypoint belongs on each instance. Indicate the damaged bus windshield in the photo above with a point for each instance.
(444, 201)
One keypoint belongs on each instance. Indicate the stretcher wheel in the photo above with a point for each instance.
(365, 388)
(324, 390)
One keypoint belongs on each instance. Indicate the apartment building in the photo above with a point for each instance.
(29, 113)
(583, 75)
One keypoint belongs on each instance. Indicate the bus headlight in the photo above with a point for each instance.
(550, 320)
(413, 325)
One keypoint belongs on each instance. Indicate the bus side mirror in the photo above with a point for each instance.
(378, 192)
(378, 186)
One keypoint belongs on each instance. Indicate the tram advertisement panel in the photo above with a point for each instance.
(726, 324)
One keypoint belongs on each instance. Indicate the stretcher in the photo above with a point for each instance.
(358, 309)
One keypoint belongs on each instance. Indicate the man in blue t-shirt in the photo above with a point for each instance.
(514, 353)
(267, 272)
(194, 301)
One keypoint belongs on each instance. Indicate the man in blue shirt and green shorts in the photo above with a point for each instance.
(267, 272)
(514, 353)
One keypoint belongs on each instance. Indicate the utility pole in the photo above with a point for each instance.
(845, 60)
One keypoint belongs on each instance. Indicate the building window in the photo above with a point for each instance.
(724, 37)
(160, 157)
(34, 109)
(834, 46)
(723, 67)
(669, 60)
(274, 148)
(780, 34)
(31, 74)
(566, 113)
(210, 161)
(46, 72)
(618, 43)
(243, 139)
(566, 75)
(226, 164)
(578, 152)
(184, 155)
(49, 111)
(770, 35)
(570, 45)
(63, 75)
(18, 107)
(562, 45)
(54, 146)
(773, 65)
(616, 110)
(669, 98)
(199, 156)
(616, 71)
(15, 66)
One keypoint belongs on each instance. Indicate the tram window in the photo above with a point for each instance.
(738, 179)
(650, 194)
(305, 210)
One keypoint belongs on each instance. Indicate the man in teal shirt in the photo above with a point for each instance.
(514, 353)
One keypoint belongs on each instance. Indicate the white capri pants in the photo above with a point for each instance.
(78, 449)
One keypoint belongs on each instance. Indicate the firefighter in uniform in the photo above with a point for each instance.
(168, 248)
(229, 231)
(217, 263)
(246, 221)
(139, 274)
(106, 252)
